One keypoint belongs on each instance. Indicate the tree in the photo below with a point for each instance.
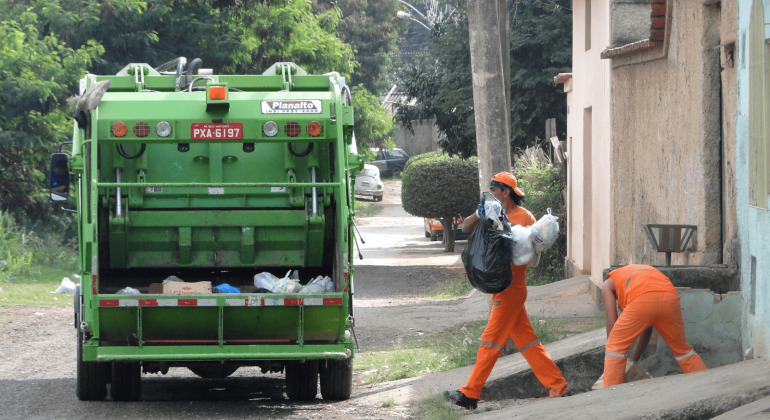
(541, 47)
(370, 27)
(37, 72)
(373, 124)
(440, 186)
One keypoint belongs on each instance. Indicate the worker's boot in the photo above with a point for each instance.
(458, 398)
(556, 393)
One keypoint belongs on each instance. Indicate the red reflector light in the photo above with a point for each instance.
(217, 92)
(291, 129)
(141, 129)
(314, 128)
(119, 129)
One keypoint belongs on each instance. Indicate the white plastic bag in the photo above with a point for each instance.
(288, 284)
(128, 291)
(523, 250)
(492, 211)
(265, 281)
(545, 231)
(66, 286)
(318, 285)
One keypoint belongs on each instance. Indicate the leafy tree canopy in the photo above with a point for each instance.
(442, 87)
(37, 72)
(377, 125)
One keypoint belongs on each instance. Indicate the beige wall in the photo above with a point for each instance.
(666, 149)
(588, 141)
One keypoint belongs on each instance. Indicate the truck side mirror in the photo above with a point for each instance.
(60, 177)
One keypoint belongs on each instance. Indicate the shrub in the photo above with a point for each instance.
(438, 186)
(542, 184)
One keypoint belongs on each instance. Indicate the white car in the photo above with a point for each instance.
(368, 183)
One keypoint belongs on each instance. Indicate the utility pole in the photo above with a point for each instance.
(489, 33)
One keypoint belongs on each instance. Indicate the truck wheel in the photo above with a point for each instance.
(213, 371)
(302, 380)
(336, 379)
(433, 236)
(126, 381)
(91, 376)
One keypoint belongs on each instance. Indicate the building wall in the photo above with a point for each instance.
(666, 148)
(590, 216)
(753, 221)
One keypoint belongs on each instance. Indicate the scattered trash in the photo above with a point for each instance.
(318, 285)
(66, 286)
(128, 291)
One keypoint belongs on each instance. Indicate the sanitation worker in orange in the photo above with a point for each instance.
(647, 299)
(508, 317)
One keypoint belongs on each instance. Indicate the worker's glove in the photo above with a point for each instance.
(480, 211)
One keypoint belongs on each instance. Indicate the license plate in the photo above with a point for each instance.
(216, 131)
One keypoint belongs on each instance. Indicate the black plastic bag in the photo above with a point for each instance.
(487, 257)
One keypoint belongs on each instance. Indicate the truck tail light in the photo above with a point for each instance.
(291, 129)
(314, 128)
(163, 129)
(119, 129)
(217, 92)
(270, 128)
(141, 129)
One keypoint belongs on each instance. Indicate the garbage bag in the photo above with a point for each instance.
(545, 231)
(265, 281)
(493, 210)
(128, 291)
(487, 256)
(226, 288)
(318, 285)
(288, 284)
(66, 286)
(523, 250)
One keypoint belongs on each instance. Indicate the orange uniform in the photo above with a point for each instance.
(508, 318)
(646, 298)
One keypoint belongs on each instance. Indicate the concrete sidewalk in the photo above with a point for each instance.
(512, 391)
(736, 391)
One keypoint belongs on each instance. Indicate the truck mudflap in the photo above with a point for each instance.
(222, 326)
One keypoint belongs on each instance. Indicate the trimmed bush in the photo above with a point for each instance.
(438, 186)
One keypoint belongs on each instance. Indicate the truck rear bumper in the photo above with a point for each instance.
(234, 353)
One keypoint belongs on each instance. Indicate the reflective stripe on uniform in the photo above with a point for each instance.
(529, 345)
(485, 343)
(609, 353)
(690, 353)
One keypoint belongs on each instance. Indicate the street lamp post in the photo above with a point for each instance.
(406, 15)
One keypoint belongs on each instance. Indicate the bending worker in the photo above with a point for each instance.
(647, 299)
(508, 317)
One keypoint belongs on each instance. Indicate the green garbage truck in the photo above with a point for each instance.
(191, 186)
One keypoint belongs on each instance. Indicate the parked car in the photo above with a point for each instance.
(390, 162)
(434, 229)
(368, 183)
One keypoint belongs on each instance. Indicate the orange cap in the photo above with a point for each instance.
(505, 179)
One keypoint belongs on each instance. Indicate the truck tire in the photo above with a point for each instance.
(213, 371)
(302, 380)
(434, 236)
(336, 379)
(126, 381)
(91, 377)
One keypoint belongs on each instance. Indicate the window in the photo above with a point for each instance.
(758, 109)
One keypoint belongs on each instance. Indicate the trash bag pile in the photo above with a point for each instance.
(268, 283)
